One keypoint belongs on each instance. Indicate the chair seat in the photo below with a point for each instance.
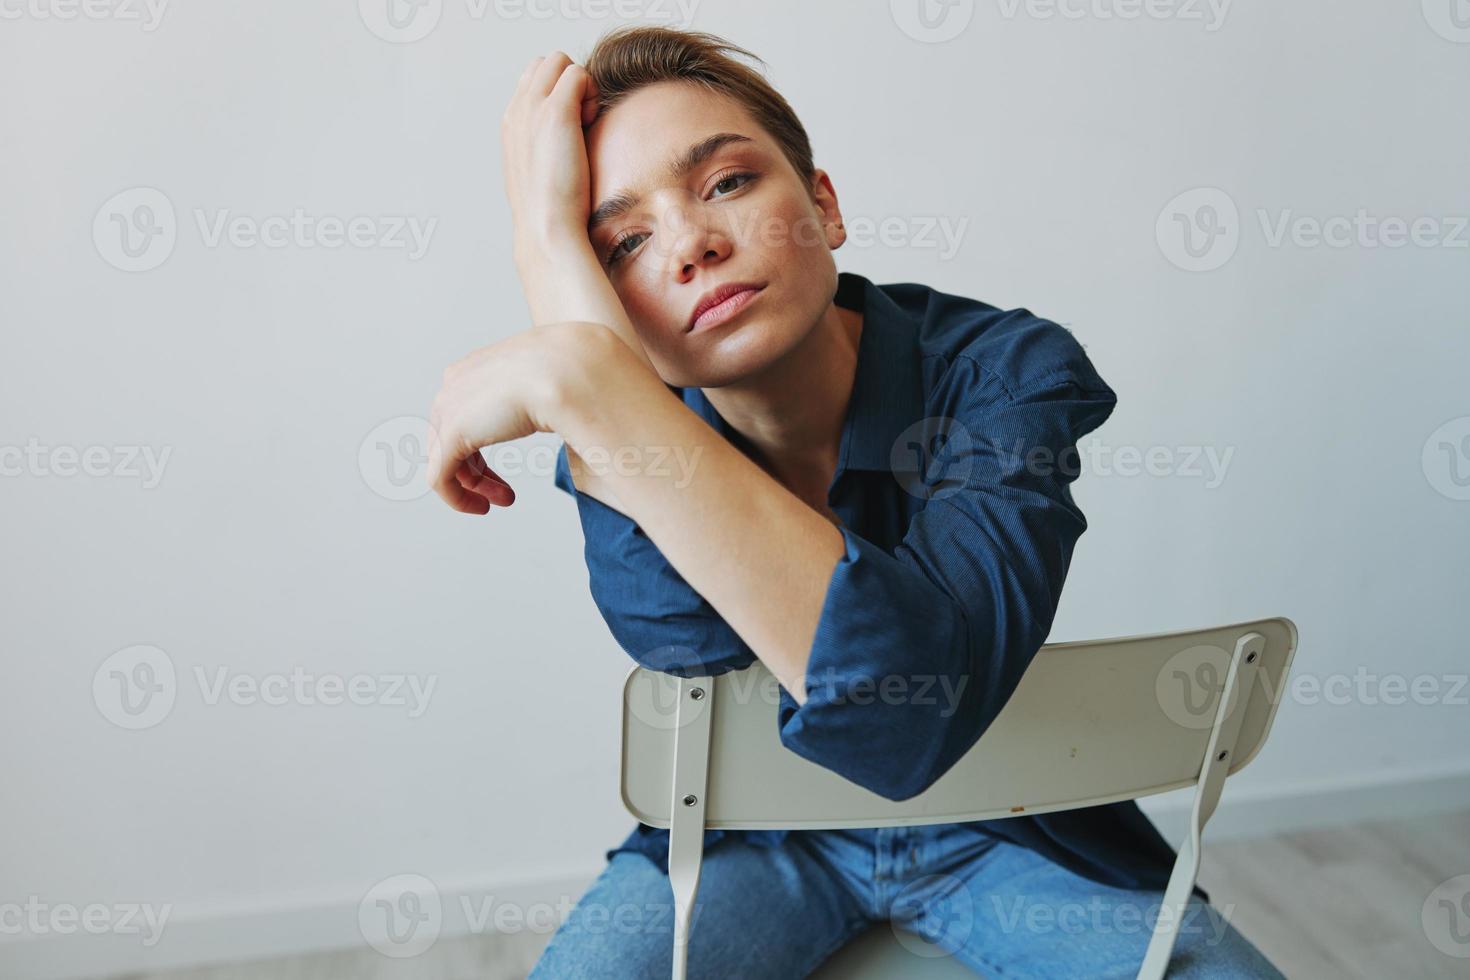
(879, 954)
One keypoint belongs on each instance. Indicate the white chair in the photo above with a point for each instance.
(1090, 723)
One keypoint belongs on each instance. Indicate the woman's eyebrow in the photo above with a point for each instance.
(625, 200)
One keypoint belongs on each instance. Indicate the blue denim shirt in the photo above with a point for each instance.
(952, 483)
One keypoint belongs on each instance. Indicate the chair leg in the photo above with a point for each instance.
(686, 809)
(1239, 679)
(686, 854)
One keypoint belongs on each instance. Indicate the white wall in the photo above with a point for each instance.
(1057, 141)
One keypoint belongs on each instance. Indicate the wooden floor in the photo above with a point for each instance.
(1333, 903)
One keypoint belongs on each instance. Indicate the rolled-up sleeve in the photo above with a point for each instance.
(654, 614)
(917, 651)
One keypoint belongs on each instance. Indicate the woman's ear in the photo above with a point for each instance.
(824, 196)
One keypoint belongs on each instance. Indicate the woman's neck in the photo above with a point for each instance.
(790, 416)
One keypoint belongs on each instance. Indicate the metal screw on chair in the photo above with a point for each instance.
(1250, 658)
(1222, 755)
(690, 800)
(697, 693)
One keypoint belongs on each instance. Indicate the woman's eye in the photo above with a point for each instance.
(617, 252)
(743, 178)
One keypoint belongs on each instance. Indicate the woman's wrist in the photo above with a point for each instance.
(597, 370)
(582, 359)
(535, 243)
(567, 283)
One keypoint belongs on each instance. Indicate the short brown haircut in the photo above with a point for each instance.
(628, 58)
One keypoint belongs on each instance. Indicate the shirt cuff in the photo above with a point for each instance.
(890, 701)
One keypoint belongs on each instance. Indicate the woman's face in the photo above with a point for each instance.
(739, 214)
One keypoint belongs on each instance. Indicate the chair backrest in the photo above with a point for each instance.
(1090, 722)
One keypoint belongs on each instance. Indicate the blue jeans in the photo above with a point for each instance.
(778, 912)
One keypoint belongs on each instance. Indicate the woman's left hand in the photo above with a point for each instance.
(498, 393)
(544, 152)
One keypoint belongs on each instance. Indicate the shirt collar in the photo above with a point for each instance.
(888, 387)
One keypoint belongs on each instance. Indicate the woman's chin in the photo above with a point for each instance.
(737, 354)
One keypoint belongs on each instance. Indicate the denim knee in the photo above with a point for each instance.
(622, 926)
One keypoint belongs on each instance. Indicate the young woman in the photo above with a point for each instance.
(866, 487)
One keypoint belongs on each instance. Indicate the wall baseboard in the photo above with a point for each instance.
(198, 937)
(1250, 811)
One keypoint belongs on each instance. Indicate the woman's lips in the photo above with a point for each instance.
(720, 312)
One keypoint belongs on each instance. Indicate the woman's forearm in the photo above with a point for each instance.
(761, 556)
(563, 281)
